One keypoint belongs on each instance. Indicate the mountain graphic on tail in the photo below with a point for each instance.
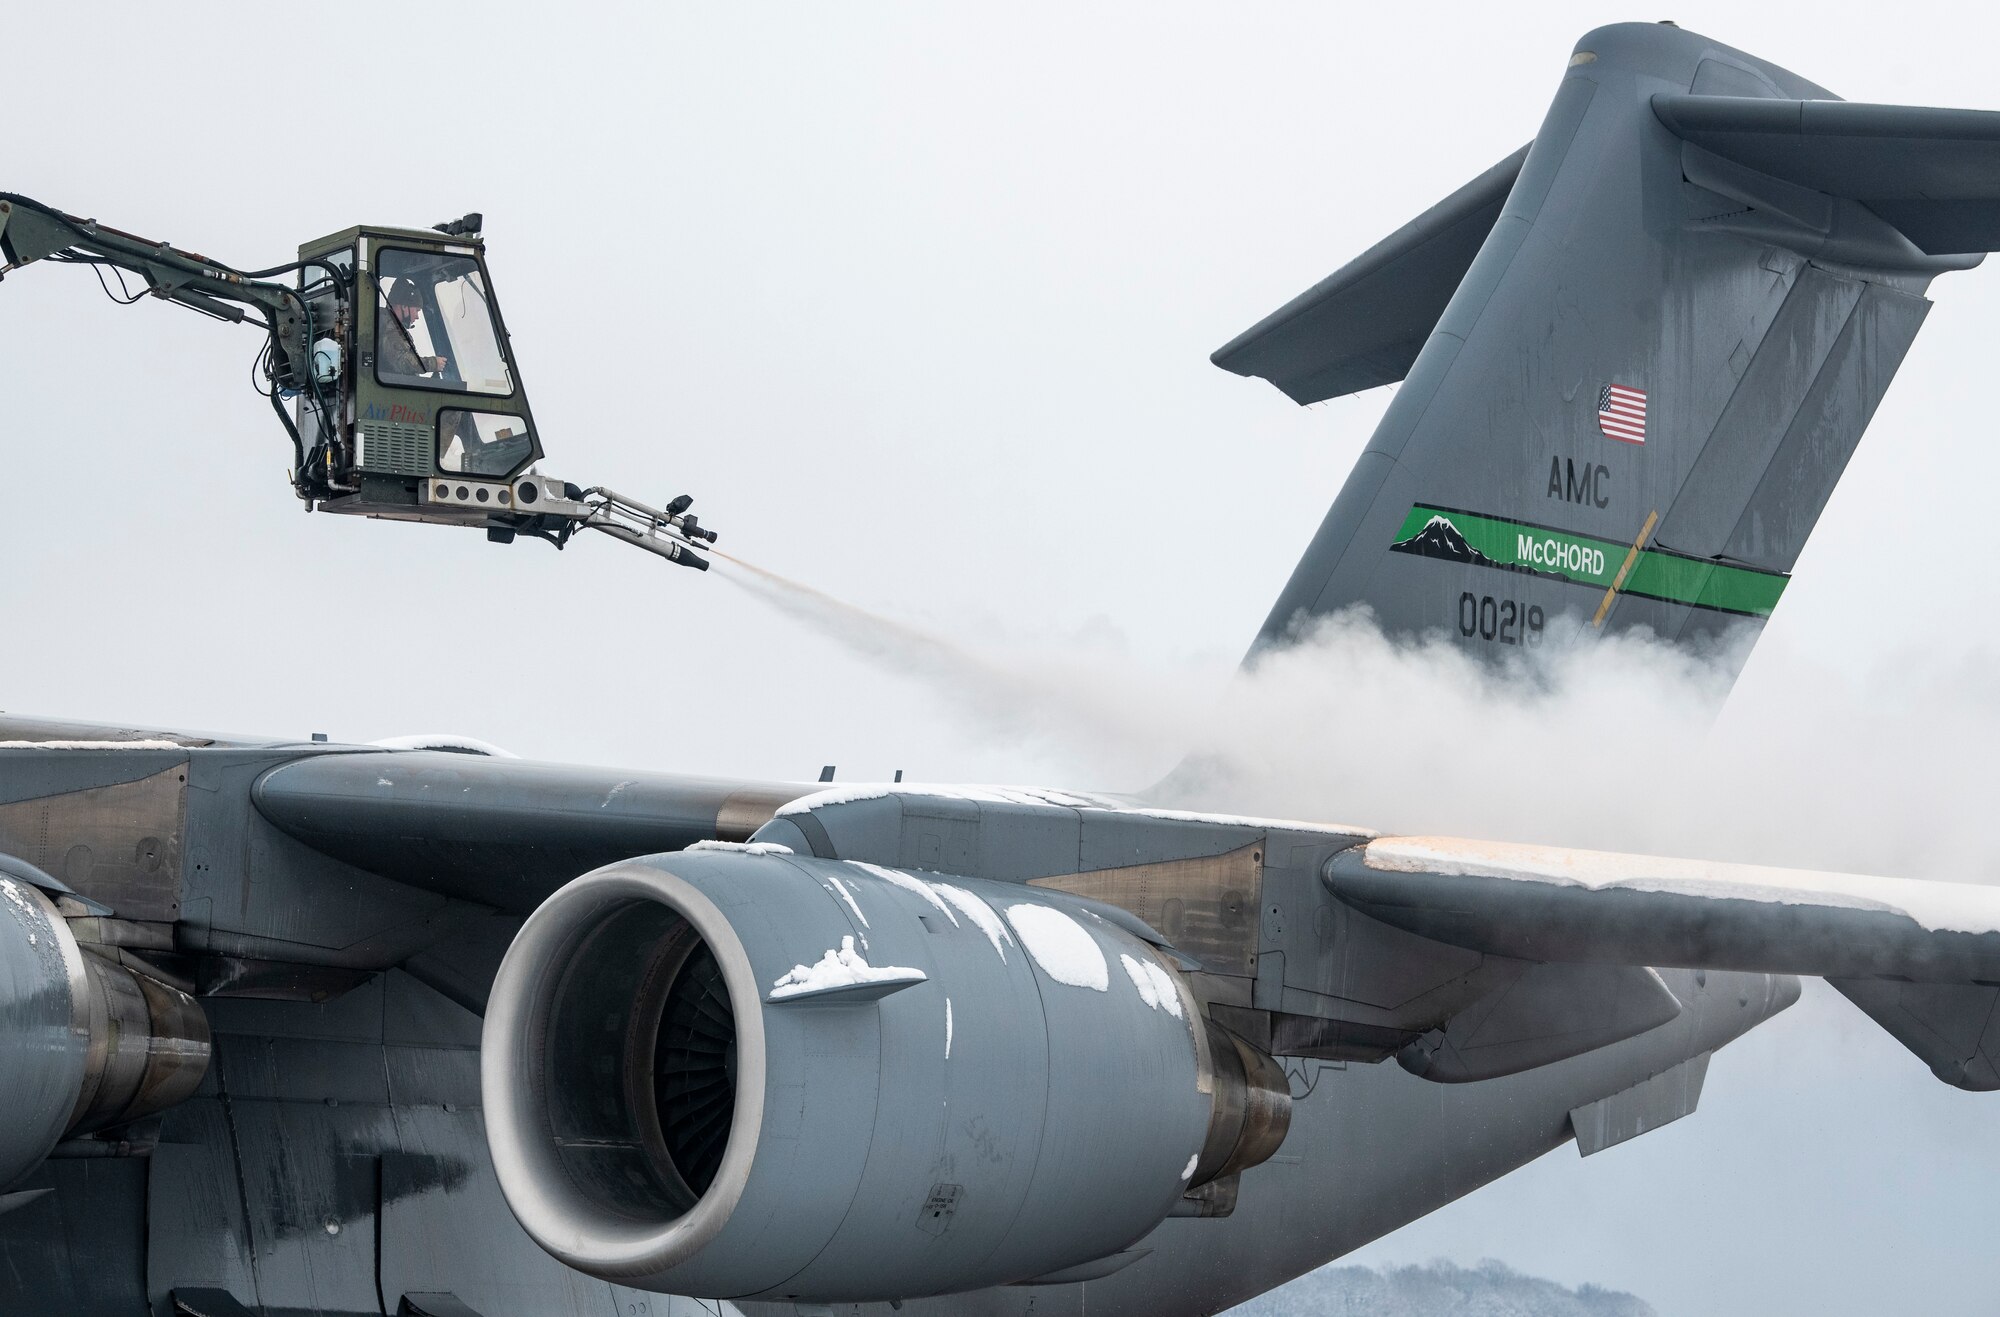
(1440, 539)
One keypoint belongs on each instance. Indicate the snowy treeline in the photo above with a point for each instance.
(1438, 1289)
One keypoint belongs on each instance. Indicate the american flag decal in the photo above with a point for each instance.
(1621, 413)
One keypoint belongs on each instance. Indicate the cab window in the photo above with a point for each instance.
(434, 325)
(482, 443)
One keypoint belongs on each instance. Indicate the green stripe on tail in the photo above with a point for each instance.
(1455, 535)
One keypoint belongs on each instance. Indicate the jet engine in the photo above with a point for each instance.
(733, 1072)
(85, 1043)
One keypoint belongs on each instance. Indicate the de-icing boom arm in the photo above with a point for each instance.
(445, 436)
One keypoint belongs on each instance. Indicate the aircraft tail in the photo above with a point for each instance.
(1636, 355)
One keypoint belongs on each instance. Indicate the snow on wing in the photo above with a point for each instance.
(1552, 904)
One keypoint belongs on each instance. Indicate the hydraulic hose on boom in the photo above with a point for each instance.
(389, 367)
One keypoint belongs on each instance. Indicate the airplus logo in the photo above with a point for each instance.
(397, 414)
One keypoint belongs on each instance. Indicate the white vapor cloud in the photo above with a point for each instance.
(1620, 743)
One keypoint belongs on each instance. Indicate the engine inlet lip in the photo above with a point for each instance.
(571, 1226)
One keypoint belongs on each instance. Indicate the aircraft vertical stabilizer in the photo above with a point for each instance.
(1636, 401)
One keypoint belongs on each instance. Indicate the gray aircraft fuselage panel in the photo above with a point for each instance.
(434, 1054)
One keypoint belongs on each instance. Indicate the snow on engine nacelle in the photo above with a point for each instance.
(737, 1072)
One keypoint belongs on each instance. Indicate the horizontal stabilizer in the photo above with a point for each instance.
(1363, 325)
(1922, 958)
(1934, 174)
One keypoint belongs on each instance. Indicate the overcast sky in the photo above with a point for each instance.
(917, 301)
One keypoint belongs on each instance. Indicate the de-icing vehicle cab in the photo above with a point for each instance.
(388, 364)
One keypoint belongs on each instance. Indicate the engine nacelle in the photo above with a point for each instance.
(85, 1043)
(738, 1073)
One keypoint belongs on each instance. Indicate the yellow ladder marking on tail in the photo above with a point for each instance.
(1625, 568)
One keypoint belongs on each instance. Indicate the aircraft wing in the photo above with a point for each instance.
(1921, 958)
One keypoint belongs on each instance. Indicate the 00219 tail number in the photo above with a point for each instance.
(1502, 620)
